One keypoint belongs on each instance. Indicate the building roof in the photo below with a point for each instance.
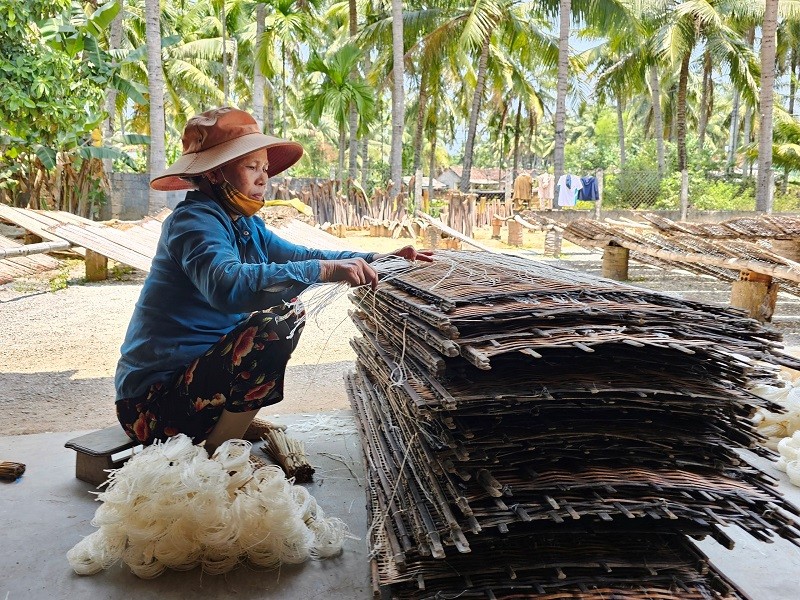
(479, 176)
(437, 185)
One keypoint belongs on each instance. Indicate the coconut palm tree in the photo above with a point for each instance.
(630, 65)
(606, 15)
(786, 147)
(352, 21)
(289, 23)
(114, 42)
(335, 91)
(259, 81)
(398, 99)
(687, 24)
(564, 17)
(768, 43)
(155, 85)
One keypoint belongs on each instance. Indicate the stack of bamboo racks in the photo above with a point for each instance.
(532, 431)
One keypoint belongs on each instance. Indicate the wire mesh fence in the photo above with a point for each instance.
(632, 189)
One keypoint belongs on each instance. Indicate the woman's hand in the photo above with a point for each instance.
(409, 253)
(354, 271)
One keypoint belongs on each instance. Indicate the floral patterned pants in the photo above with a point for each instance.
(243, 371)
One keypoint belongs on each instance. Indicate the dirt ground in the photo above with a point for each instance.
(58, 349)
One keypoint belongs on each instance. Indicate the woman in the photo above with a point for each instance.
(208, 342)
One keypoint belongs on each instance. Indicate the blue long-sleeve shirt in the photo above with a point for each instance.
(208, 274)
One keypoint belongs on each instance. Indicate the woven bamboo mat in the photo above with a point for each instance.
(533, 432)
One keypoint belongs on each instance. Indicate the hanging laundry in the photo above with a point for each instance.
(568, 187)
(545, 190)
(589, 191)
(522, 188)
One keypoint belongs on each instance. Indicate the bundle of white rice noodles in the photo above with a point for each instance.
(777, 425)
(789, 461)
(170, 506)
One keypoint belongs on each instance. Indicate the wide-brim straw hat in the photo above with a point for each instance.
(215, 138)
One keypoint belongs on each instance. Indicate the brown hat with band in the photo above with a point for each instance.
(219, 136)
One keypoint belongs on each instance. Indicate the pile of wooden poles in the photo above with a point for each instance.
(467, 211)
(533, 431)
(331, 205)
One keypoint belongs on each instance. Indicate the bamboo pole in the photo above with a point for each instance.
(555, 225)
(34, 249)
(453, 233)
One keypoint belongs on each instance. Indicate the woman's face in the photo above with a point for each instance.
(249, 174)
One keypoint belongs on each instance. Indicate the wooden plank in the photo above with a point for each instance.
(22, 266)
(96, 266)
(100, 443)
(145, 236)
(300, 233)
(151, 224)
(36, 222)
(67, 217)
(28, 220)
(110, 243)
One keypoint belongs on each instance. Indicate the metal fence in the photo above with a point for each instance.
(632, 189)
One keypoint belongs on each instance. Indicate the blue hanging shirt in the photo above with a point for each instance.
(209, 273)
(589, 191)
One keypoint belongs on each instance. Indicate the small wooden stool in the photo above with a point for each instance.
(94, 452)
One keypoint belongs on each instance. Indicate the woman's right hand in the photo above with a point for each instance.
(354, 271)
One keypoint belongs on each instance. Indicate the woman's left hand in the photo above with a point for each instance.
(409, 253)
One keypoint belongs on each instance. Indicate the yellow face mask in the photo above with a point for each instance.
(234, 200)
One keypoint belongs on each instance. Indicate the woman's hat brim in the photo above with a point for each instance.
(282, 154)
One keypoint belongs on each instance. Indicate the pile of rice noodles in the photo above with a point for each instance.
(170, 506)
(776, 426)
(789, 461)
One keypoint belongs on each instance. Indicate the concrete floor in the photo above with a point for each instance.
(47, 511)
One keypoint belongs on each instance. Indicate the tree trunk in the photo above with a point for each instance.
(259, 81)
(364, 164)
(681, 127)
(353, 116)
(793, 81)
(223, 27)
(365, 141)
(747, 132)
(621, 131)
(114, 41)
(658, 119)
(531, 139)
(474, 111)
(432, 164)
(747, 166)
(768, 43)
(422, 101)
(155, 85)
(283, 86)
(681, 116)
(733, 137)
(342, 142)
(704, 99)
(269, 101)
(561, 88)
(398, 100)
(515, 168)
(785, 181)
(353, 144)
